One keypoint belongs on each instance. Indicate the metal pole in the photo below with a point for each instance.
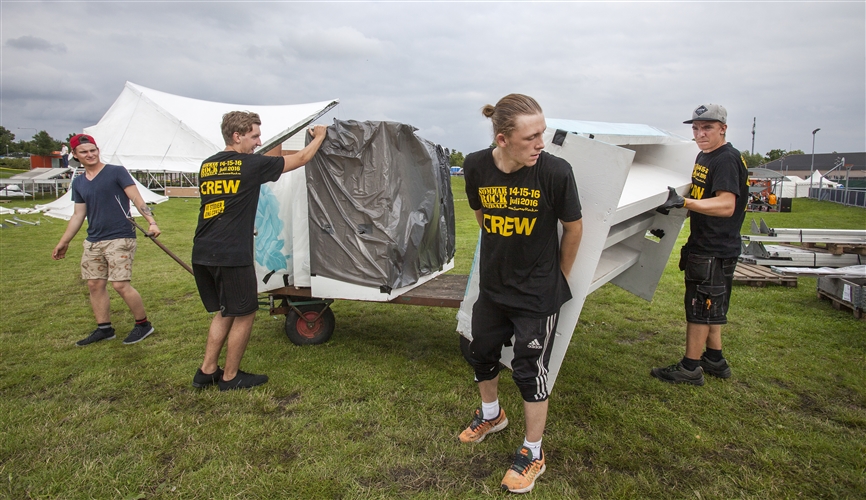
(780, 184)
(847, 181)
(152, 237)
(812, 170)
(163, 247)
(754, 119)
(821, 181)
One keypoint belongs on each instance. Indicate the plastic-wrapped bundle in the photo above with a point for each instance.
(381, 212)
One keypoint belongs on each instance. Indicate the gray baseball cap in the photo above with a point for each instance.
(709, 113)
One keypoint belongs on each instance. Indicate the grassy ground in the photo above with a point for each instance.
(12, 166)
(375, 412)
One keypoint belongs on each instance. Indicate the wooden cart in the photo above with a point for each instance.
(310, 320)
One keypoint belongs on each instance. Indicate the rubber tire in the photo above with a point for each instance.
(299, 333)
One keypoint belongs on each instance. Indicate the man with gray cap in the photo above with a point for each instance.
(717, 207)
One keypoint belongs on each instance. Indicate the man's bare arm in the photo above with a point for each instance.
(303, 156)
(479, 216)
(722, 204)
(572, 232)
(79, 212)
(145, 211)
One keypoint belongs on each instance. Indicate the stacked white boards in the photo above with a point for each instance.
(622, 172)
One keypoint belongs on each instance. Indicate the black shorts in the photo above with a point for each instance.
(708, 288)
(230, 290)
(493, 326)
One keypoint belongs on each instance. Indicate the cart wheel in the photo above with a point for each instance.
(308, 330)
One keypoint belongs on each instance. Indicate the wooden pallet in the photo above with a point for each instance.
(837, 248)
(445, 290)
(840, 305)
(754, 275)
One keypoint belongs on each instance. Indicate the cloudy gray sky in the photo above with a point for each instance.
(795, 66)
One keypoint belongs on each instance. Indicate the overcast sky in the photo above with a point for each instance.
(794, 66)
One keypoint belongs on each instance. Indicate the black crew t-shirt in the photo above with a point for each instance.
(519, 240)
(229, 184)
(720, 170)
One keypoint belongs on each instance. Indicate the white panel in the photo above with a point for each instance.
(643, 278)
(275, 201)
(328, 288)
(301, 226)
(611, 263)
(636, 225)
(646, 189)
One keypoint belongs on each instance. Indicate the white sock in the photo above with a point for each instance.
(490, 410)
(535, 448)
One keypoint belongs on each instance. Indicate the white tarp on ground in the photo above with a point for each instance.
(150, 130)
(12, 191)
(63, 207)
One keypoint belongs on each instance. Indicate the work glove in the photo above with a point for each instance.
(674, 201)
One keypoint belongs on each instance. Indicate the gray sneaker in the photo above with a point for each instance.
(96, 336)
(677, 374)
(138, 333)
(716, 368)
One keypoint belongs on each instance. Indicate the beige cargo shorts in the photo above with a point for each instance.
(108, 260)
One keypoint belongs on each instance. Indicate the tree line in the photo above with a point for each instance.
(756, 160)
(41, 144)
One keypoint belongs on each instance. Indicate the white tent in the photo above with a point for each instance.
(154, 131)
(819, 180)
(63, 207)
(795, 187)
(792, 187)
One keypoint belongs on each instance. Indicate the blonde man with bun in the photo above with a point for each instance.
(520, 195)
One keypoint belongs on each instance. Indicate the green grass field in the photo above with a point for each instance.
(375, 412)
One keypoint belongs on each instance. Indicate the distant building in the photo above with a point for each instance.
(801, 165)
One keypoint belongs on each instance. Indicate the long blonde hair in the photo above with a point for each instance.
(504, 114)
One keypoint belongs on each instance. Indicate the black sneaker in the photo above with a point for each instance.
(716, 368)
(96, 336)
(242, 380)
(677, 374)
(202, 379)
(138, 333)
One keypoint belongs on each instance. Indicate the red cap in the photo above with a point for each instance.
(80, 139)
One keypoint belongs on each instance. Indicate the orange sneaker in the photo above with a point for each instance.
(521, 477)
(480, 428)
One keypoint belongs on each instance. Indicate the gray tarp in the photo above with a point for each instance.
(381, 212)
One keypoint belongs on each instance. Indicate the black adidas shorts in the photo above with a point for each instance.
(493, 326)
(230, 290)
